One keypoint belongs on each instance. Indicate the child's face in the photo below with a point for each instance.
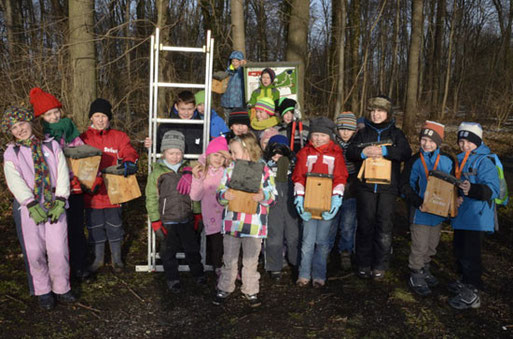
(378, 115)
(52, 116)
(235, 63)
(276, 157)
(239, 129)
(100, 121)
(266, 79)
(216, 160)
(261, 114)
(200, 108)
(173, 156)
(287, 117)
(318, 139)
(185, 111)
(345, 134)
(238, 152)
(466, 146)
(427, 144)
(21, 130)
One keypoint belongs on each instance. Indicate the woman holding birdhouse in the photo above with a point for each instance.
(319, 164)
(378, 149)
(103, 218)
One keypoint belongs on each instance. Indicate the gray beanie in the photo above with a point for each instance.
(173, 139)
(322, 125)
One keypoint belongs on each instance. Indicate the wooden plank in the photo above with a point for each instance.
(121, 189)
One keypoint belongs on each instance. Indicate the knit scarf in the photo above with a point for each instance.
(64, 128)
(264, 124)
(42, 183)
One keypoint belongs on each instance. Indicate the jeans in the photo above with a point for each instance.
(345, 222)
(314, 249)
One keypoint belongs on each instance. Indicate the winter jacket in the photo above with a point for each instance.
(349, 190)
(234, 94)
(413, 184)
(19, 171)
(204, 190)
(477, 212)
(240, 224)
(193, 133)
(163, 201)
(116, 149)
(399, 151)
(262, 92)
(327, 159)
(217, 125)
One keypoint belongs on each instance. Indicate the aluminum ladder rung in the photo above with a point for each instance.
(185, 156)
(178, 85)
(183, 49)
(178, 121)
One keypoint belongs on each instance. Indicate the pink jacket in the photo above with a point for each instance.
(204, 190)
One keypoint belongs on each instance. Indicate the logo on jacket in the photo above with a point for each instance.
(110, 150)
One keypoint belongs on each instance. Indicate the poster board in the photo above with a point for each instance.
(286, 80)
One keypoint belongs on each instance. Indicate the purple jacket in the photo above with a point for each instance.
(204, 190)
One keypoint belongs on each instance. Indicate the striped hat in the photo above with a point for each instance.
(13, 115)
(434, 131)
(238, 116)
(346, 120)
(265, 104)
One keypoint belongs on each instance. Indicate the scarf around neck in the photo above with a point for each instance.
(64, 128)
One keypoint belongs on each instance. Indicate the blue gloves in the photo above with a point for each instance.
(336, 202)
(128, 167)
(299, 201)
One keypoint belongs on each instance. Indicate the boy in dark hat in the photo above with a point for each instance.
(266, 88)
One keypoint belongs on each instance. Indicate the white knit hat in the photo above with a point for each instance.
(472, 131)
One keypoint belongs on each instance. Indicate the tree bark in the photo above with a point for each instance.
(355, 48)
(339, 105)
(164, 59)
(413, 68)
(238, 28)
(82, 58)
(297, 41)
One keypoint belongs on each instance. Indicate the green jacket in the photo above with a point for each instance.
(262, 92)
(163, 201)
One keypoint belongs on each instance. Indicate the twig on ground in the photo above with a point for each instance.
(129, 288)
(15, 299)
(342, 277)
(87, 307)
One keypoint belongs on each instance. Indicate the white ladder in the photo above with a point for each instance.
(153, 120)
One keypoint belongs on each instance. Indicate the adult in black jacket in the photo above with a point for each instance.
(375, 202)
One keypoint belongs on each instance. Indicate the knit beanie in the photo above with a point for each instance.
(173, 139)
(267, 134)
(265, 104)
(271, 73)
(101, 106)
(472, 131)
(379, 103)
(42, 101)
(279, 139)
(216, 145)
(322, 125)
(434, 131)
(239, 115)
(346, 120)
(199, 97)
(13, 115)
(284, 105)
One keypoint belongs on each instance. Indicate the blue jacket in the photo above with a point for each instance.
(234, 94)
(477, 212)
(217, 125)
(414, 182)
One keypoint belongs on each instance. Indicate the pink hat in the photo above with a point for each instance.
(216, 145)
(266, 135)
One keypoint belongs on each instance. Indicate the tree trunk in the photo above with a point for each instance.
(455, 14)
(395, 53)
(355, 48)
(82, 58)
(339, 106)
(297, 41)
(238, 32)
(413, 68)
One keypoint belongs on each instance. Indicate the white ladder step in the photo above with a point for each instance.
(183, 49)
(178, 85)
(179, 121)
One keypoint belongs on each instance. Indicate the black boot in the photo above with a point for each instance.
(115, 256)
(99, 254)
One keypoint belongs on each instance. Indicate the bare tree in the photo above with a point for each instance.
(238, 28)
(341, 30)
(82, 59)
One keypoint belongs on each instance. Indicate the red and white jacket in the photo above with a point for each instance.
(327, 159)
(116, 148)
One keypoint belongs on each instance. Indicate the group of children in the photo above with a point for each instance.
(50, 202)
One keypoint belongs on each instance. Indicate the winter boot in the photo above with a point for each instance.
(115, 256)
(418, 282)
(99, 253)
(345, 260)
(431, 280)
(467, 298)
(47, 301)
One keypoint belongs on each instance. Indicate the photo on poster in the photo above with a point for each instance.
(285, 81)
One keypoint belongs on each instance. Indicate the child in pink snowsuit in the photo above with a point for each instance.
(205, 181)
(37, 175)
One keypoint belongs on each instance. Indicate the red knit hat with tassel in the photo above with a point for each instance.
(42, 101)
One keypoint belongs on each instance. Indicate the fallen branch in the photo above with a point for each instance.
(15, 299)
(130, 289)
(87, 307)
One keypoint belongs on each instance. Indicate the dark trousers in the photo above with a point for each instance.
(181, 236)
(467, 250)
(104, 224)
(374, 231)
(76, 238)
(215, 250)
